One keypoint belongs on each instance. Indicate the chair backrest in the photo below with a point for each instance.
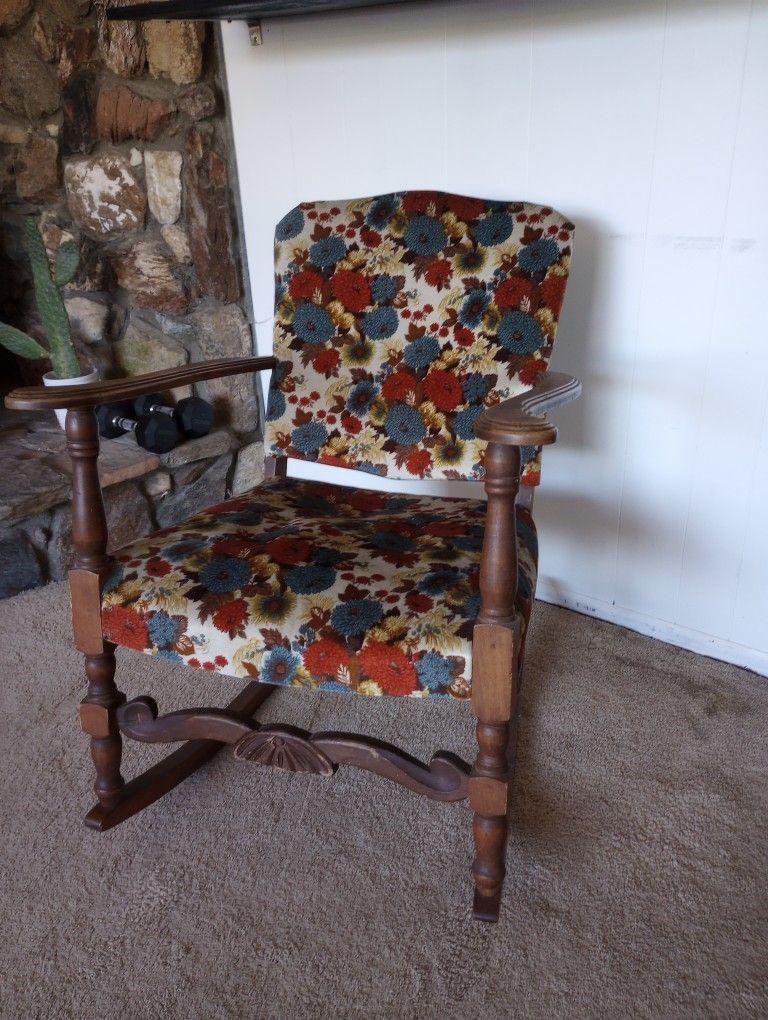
(399, 317)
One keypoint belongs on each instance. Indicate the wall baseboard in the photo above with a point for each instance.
(670, 633)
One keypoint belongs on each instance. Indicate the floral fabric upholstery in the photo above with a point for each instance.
(399, 317)
(306, 584)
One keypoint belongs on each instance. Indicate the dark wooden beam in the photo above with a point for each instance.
(235, 10)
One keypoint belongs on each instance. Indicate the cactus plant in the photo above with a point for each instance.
(61, 351)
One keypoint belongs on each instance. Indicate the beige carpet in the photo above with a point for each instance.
(638, 861)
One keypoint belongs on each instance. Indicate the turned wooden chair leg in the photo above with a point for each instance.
(495, 653)
(97, 718)
(489, 799)
(90, 567)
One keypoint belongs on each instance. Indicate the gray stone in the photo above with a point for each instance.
(54, 232)
(177, 240)
(7, 173)
(142, 348)
(28, 87)
(94, 272)
(223, 332)
(45, 30)
(38, 530)
(163, 176)
(213, 445)
(37, 170)
(197, 101)
(175, 50)
(207, 488)
(123, 114)
(12, 134)
(77, 132)
(21, 566)
(28, 485)
(12, 13)
(75, 50)
(121, 43)
(158, 484)
(249, 469)
(146, 271)
(88, 317)
(209, 220)
(104, 195)
(128, 518)
(72, 11)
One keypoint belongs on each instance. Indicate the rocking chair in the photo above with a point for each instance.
(412, 340)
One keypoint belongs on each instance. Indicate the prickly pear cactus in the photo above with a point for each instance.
(53, 314)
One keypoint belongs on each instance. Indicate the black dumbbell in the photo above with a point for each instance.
(154, 432)
(193, 416)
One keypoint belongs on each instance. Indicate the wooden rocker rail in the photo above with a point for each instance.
(445, 778)
(153, 784)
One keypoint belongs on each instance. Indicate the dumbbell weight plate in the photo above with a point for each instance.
(194, 417)
(105, 415)
(157, 432)
(142, 405)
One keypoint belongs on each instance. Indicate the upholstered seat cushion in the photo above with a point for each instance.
(306, 584)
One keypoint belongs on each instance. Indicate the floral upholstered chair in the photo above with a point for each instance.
(413, 335)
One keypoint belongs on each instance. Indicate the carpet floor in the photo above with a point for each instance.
(638, 857)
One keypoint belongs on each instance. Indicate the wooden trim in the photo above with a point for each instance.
(493, 661)
(89, 531)
(495, 643)
(91, 564)
(444, 778)
(234, 10)
(31, 398)
(498, 560)
(519, 421)
(89, 523)
(173, 769)
(85, 588)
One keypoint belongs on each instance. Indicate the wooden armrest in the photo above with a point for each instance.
(520, 420)
(109, 391)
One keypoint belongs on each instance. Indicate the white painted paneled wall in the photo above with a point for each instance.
(647, 123)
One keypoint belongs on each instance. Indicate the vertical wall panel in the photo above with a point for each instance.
(646, 123)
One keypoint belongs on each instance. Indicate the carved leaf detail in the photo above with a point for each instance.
(283, 750)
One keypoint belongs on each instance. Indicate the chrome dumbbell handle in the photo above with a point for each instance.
(128, 424)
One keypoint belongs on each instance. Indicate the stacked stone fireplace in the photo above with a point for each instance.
(116, 135)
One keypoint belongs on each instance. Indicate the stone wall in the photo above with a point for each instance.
(115, 135)
(142, 492)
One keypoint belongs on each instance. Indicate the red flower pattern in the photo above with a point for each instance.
(438, 274)
(399, 385)
(389, 667)
(326, 361)
(513, 291)
(444, 390)
(325, 657)
(305, 285)
(125, 626)
(351, 289)
(231, 617)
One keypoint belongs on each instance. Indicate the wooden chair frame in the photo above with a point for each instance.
(498, 644)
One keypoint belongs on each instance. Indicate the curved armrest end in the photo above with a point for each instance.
(39, 398)
(520, 421)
